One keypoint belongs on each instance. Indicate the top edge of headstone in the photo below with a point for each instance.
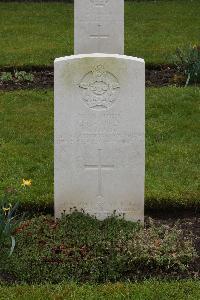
(98, 55)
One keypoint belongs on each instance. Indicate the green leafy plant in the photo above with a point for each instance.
(189, 63)
(18, 76)
(23, 76)
(6, 76)
(8, 223)
(81, 248)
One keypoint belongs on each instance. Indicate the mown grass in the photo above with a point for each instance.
(36, 33)
(172, 147)
(27, 144)
(148, 290)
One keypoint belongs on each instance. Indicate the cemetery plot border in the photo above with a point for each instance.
(44, 78)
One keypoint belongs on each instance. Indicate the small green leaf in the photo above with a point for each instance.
(12, 246)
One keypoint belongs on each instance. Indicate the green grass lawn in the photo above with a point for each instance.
(36, 33)
(172, 146)
(149, 290)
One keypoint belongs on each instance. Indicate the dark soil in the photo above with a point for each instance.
(6, 278)
(157, 76)
(42, 79)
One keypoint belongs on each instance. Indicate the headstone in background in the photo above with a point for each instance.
(99, 26)
(100, 135)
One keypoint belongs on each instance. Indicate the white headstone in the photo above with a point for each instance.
(99, 26)
(99, 135)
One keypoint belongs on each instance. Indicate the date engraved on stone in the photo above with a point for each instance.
(99, 2)
(100, 88)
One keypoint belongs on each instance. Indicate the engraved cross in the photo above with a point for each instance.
(99, 167)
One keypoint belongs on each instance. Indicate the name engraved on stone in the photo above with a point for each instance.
(99, 167)
(100, 88)
(99, 3)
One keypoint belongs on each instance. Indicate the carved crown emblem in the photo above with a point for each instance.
(99, 88)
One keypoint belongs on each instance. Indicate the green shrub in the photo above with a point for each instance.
(23, 76)
(6, 76)
(18, 76)
(189, 63)
(81, 248)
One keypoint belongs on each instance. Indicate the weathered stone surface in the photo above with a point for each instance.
(99, 26)
(99, 135)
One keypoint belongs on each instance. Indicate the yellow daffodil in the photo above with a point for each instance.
(27, 182)
(7, 209)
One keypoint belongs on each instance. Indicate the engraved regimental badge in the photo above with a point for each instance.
(99, 88)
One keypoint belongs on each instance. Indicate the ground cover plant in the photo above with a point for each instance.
(81, 248)
(36, 33)
(18, 76)
(172, 147)
(151, 290)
